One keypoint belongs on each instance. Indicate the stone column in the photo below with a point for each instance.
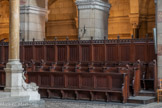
(33, 14)
(93, 19)
(14, 30)
(15, 83)
(159, 37)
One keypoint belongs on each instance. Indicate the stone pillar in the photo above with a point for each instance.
(159, 36)
(33, 17)
(93, 19)
(15, 83)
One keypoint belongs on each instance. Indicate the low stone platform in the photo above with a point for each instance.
(14, 102)
(6, 101)
(146, 93)
(141, 99)
(58, 103)
(152, 105)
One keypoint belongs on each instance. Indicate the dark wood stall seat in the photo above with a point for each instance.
(133, 70)
(86, 86)
(103, 70)
(83, 67)
(2, 79)
(33, 66)
(48, 66)
(69, 67)
(2, 65)
(134, 77)
(148, 75)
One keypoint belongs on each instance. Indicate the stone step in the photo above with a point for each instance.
(27, 104)
(4, 94)
(6, 97)
(14, 99)
(146, 93)
(6, 101)
(141, 99)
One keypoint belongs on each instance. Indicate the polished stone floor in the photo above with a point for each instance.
(58, 103)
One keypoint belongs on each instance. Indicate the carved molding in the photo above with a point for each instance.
(33, 10)
(92, 4)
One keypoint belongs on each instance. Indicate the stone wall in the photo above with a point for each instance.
(119, 23)
(62, 20)
(159, 37)
(32, 19)
(4, 19)
(147, 18)
(125, 17)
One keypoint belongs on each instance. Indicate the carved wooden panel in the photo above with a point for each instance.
(87, 81)
(151, 52)
(28, 53)
(6, 53)
(45, 80)
(112, 52)
(50, 53)
(62, 53)
(124, 53)
(59, 80)
(39, 51)
(73, 81)
(116, 78)
(74, 53)
(2, 78)
(99, 53)
(140, 52)
(1, 55)
(102, 82)
(85, 53)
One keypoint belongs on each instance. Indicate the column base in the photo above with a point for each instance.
(15, 82)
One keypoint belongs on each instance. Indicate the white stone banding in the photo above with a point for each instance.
(33, 10)
(92, 4)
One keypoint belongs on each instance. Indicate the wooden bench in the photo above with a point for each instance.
(133, 71)
(96, 86)
(2, 79)
(149, 75)
(2, 65)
